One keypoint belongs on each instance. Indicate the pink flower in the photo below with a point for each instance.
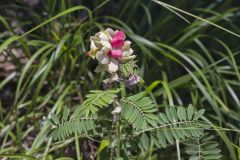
(118, 39)
(115, 53)
(110, 49)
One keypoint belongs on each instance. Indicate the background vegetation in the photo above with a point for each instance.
(43, 67)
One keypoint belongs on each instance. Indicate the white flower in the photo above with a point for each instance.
(127, 52)
(105, 39)
(114, 77)
(110, 31)
(105, 50)
(93, 46)
(116, 110)
(103, 36)
(102, 58)
(126, 45)
(106, 44)
(112, 66)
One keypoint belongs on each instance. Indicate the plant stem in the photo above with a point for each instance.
(47, 149)
(112, 146)
(178, 150)
(77, 146)
(171, 102)
(118, 140)
(123, 89)
(118, 150)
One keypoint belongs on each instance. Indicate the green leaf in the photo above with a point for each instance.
(161, 138)
(203, 147)
(66, 112)
(163, 117)
(199, 114)
(168, 135)
(192, 15)
(67, 128)
(97, 99)
(181, 112)
(175, 126)
(190, 112)
(173, 114)
(169, 116)
(144, 140)
(18, 156)
(55, 119)
(139, 111)
(136, 97)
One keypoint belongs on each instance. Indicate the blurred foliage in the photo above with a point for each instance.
(43, 67)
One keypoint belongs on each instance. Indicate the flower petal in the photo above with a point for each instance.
(115, 53)
(114, 77)
(127, 58)
(119, 35)
(110, 31)
(105, 50)
(118, 39)
(116, 110)
(103, 36)
(92, 45)
(134, 79)
(102, 58)
(106, 44)
(127, 52)
(126, 45)
(105, 60)
(112, 66)
(117, 43)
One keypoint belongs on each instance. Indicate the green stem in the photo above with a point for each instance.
(118, 150)
(171, 102)
(118, 140)
(178, 150)
(123, 89)
(77, 146)
(111, 140)
(47, 149)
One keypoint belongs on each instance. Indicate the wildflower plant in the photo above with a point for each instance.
(114, 56)
(129, 125)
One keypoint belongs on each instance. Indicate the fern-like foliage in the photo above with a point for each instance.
(177, 123)
(203, 148)
(98, 99)
(139, 111)
(80, 121)
(66, 125)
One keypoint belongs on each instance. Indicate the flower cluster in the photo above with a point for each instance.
(111, 50)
